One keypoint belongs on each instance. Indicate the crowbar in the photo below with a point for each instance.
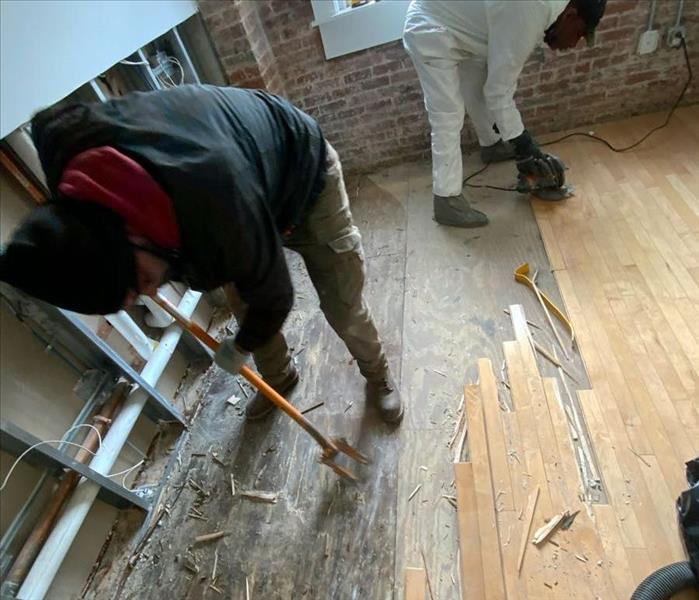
(522, 276)
(331, 448)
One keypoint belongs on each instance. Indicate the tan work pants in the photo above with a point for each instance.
(331, 247)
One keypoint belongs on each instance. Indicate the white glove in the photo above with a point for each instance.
(229, 357)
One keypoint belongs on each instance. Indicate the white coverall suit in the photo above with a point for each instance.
(469, 54)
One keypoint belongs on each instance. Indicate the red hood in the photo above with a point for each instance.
(107, 177)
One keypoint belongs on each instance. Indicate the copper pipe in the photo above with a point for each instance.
(65, 488)
(16, 171)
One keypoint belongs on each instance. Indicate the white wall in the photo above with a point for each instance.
(49, 48)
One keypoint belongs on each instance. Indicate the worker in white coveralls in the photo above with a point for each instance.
(468, 56)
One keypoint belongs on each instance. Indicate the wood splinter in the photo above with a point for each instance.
(210, 537)
(255, 496)
(415, 491)
(531, 507)
(544, 532)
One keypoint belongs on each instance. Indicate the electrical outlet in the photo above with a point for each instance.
(674, 34)
(648, 42)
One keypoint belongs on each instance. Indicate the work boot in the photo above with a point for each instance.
(259, 407)
(385, 394)
(457, 212)
(500, 151)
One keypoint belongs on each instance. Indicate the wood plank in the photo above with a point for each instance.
(497, 451)
(541, 564)
(587, 580)
(485, 498)
(415, 583)
(616, 559)
(652, 528)
(472, 571)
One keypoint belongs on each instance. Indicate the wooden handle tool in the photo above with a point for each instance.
(331, 448)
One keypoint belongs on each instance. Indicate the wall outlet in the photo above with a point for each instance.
(674, 34)
(648, 42)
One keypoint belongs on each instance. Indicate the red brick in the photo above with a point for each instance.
(643, 76)
(357, 76)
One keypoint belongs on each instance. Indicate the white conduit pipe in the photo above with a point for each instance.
(132, 333)
(46, 565)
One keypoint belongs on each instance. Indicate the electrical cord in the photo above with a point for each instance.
(683, 44)
(124, 472)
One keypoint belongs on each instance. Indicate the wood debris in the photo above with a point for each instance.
(213, 570)
(215, 589)
(242, 389)
(247, 588)
(568, 521)
(460, 416)
(543, 533)
(552, 359)
(216, 459)
(233, 400)
(232, 485)
(190, 565)
(210, 537)
(312, 408)
(200, 517)
(503, 375)
(257, 496)
(531, 507)
(581, 558)
(451, 500)
(415, 491)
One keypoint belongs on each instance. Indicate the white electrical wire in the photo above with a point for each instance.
(97, 431)
(133, 63)
(21, 456)
(125, 472)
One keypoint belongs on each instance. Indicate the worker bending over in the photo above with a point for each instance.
(468, 55)
(203, 185)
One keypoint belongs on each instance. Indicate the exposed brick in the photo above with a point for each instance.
(370, 105)
(374, 83)
(357, 76)
(644, 76)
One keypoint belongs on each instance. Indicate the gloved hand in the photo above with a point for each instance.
(230, 357)
(525, 147)
(536, 169)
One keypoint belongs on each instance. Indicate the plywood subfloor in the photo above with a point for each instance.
(625, 253)
(438, 296)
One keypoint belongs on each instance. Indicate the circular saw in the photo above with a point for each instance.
(543, 177)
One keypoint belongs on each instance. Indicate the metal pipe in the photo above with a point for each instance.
(44, 569)
(651, 14)
(131, 332)
(680, 8)
(68, 483)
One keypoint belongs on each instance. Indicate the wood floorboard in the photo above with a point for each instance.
(628, 277)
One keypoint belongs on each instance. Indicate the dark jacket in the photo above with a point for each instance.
(240, 166)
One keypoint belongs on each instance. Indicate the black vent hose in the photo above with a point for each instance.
(666, 582)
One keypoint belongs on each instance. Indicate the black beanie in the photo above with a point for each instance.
(73, 254)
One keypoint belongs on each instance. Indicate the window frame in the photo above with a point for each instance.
(349, 30)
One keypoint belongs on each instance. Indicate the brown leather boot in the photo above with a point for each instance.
(259, 407)
(385, 394)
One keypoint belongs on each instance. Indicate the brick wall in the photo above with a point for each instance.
(370, 104)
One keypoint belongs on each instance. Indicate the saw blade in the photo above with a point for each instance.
(554, 194)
